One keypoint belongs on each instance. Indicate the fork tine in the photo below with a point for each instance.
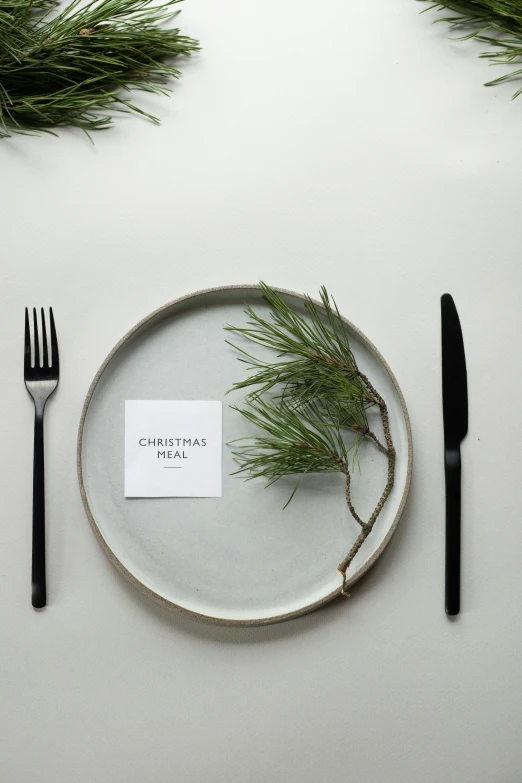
(44, 342)
(27, 344)
(36, 341)
(54, 342)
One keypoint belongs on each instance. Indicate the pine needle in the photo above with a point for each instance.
(497, 23)
(293, 441)
(78, 67)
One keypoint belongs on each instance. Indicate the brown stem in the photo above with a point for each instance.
(354, 513)
(367, 433)
(359, 541)
(370, 434)
(368, 526)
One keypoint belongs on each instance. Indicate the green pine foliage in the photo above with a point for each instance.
(497, 23)
(322, 368)
(309, 404)
(76, 67)
(307, 398)
(294, 440)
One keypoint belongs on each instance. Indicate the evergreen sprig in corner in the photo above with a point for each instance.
(310, 405)
(497, 23)
(78, 66)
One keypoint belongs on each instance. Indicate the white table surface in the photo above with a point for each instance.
(339, 143)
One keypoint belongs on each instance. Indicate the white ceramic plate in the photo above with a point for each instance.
(239, 559)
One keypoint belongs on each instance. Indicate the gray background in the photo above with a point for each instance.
(341, 143)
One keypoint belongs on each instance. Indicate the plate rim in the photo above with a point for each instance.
(159, 599)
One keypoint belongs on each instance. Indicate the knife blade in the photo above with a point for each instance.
(455, 415)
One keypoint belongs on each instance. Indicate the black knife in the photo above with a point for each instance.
(455, 411)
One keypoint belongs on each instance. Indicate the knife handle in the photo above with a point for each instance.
(452, 471)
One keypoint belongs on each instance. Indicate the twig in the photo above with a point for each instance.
(365, 432)
(365, 532)
(353, 512)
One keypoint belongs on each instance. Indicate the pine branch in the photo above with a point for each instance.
(76, 68)
(293, 442)
(324, 367)
(307, 401)
(497, 23)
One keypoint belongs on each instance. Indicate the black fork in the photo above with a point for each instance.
(41, 380)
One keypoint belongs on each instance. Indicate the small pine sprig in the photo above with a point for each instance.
(295, 441)
(306, 401)
(497, 23)
(324, 368)
(77, 68)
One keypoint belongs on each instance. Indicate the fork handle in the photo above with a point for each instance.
(39, 591)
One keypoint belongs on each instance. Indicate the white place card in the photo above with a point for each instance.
(173, 448)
